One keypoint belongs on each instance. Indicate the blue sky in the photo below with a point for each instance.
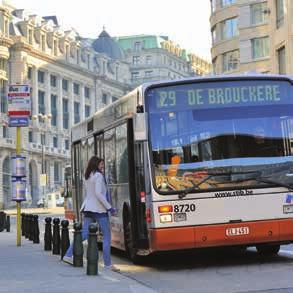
(186, 22)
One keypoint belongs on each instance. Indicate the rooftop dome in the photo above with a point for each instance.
(105, 44)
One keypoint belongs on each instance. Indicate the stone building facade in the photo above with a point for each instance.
(252, 35)
(70, 77)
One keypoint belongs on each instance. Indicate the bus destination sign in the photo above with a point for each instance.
(220, 94)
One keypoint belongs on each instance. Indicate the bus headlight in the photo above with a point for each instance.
(288, 209)
(166, 218)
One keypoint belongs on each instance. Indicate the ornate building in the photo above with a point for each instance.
(70, 78)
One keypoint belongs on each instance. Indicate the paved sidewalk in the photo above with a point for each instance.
(29, 268)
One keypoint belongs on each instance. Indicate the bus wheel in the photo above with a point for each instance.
(268, 249)
(128, 240)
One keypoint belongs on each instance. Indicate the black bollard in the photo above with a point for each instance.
(48, 234)
(31, 227)
(25, 223)
(7, 223)
(36, 236)
(65, 242)
(22, 224)
(56, 236)
(77, 246)
(92, 251)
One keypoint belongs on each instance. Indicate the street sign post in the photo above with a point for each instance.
(19, 105)
(19, 110)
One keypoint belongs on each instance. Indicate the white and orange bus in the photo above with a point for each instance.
(193, 163)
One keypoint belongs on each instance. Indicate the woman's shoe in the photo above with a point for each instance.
(112, 268)
(68, 259)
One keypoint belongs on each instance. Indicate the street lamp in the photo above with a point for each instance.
(43, 118)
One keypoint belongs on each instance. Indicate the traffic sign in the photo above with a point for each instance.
(19, 100)
(18, 121)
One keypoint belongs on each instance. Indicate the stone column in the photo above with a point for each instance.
(35, 89)
(48, 92)
(82, 103)
(59, 103)
(71, 103)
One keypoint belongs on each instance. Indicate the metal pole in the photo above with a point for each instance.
(18, 203)
(43, 167)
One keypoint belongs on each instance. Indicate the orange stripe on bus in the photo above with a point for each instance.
(215, 235)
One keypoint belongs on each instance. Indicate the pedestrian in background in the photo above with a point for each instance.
(96, 207)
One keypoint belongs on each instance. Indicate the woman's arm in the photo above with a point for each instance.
(98, 192)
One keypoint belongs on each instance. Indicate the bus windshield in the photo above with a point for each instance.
(218, 135)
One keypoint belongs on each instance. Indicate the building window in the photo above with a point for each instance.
(66, 143)
(77, 56)
(65, 84)
(257, 13)
(114, 99)
(55, 48)
(137, 46)
(225, 3)
(282, 60)
(229, 28)
(149, 60)
(53, 80)
(41, 76)
(214, 64)
(76, 112)
(214, 34)
(65, 114)
(54, 110)
(29, 72)
(30, 136)
(41, 98)
(3, 96)
(104, 99)
(148, 73)
(213, 5)
(43, 43)
(5, 132)
(76, 88)
(56, 173)
(135, 60)
(55, 141)
(230, 60)
(260, 47)
(87, 111)
(67, 52)
(134, 75)
(87, 92)
(280, 13)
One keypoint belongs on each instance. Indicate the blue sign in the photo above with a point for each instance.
(18, 121)
(221, 94)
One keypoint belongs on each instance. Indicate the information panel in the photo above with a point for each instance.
(18, 188)
(221, 94)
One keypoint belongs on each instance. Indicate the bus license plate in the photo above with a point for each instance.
(237, 231)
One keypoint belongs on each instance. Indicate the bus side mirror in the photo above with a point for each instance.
(140, 126)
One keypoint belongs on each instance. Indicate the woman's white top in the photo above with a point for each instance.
(95, 191)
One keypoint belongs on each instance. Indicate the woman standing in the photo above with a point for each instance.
(96, 207)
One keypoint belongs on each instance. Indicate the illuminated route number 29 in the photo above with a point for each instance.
(167, 99)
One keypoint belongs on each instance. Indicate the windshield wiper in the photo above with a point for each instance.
(212, 174)
(270, 181)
